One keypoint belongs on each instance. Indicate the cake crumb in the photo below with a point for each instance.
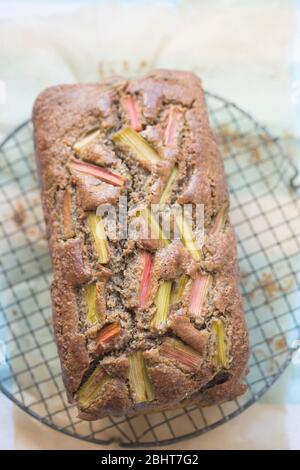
(280, 344)
(19, 215)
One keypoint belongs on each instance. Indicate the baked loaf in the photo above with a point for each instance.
(153, 321)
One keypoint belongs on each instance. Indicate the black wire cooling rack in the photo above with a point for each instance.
(265, 212)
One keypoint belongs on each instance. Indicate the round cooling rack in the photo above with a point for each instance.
(265, 212)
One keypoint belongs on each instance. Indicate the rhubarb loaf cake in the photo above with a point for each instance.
(144, 320)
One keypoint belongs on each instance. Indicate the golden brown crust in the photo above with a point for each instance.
(61, 116)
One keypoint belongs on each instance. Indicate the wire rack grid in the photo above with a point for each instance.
(265, 211)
